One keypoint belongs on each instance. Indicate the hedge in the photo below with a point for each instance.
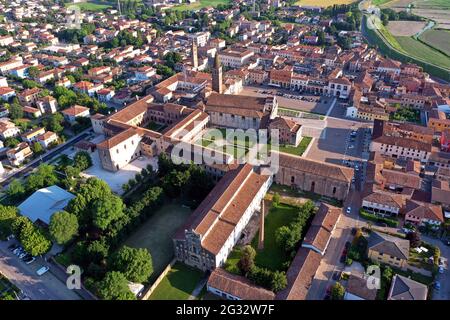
(373, 217)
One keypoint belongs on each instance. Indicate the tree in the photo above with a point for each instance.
(54, 123)
(199, 184)
(279, 281)
(276, 198)
(97, 251)
(37, 148)
(87, 194)
(414, 239)
(63, 226)
(33, 72)
(82, 160)
(115, 287)
(45, 176)
(11, 142)
(15, 190)
(174, 182)
(247, 260)
(337, 291)
(15, 111)
(107, 210)
(135, 264)
(7, 216)
(31, 238)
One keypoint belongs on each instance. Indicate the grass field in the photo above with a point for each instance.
(439, 39)
(419, 50)
(273, 256)
(156, 233)
(298, 150)
(88, 6)
(178, 284)
(200, 5)
(323, 3)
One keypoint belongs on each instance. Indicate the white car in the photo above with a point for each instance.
(349, 210)
(42, 270)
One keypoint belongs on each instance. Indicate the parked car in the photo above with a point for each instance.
(30, 260)
(353, 231)
(348, 210)
(437, 285)
(18, 250)
(22, 254)
(42, 270)
(441, 269)
(348, 244)
(13, 247)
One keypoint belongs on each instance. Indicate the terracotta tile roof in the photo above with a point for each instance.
(133, 110)
(357, 285)
(237, 105)
(75, 110)
(118, 138)
(238, 286)
(424, 210)
(300, 275)
(316, 167)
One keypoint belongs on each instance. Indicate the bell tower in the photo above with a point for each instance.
(217, 75)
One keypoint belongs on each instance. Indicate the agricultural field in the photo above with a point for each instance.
(200, 4)
(439, 39)
(419, 50)
(323, 3)
(405, 28)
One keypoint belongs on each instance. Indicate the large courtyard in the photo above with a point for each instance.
(156, 233)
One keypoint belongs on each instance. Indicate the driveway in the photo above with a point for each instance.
(45, 287)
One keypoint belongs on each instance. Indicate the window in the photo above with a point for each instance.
(292, 179)
(334, 190)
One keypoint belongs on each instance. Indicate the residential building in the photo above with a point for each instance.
(387, 249)
(403, 288)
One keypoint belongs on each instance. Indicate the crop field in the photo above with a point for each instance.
(442, 17)
(323, 3)
(439, 39)
(422, 51)
(405, 28)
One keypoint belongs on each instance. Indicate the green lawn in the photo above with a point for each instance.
(200, 5)
(421, 51)
(88, 6)
(155, 126)
(156, 235)
(235, 150)
(273, 256)
(298, 150)
(178, 284)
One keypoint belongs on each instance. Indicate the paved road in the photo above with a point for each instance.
(35, 163)
(444, 279)
(45, 287)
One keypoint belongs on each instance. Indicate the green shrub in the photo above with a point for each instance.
(369, 216)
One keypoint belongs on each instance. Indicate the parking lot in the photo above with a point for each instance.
(44, 287)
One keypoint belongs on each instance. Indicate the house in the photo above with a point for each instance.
(383, 203)
(213, 229)
(403, 288)
(233, 287)
(357, 288)
(47, 139)
(72, 113)
(8, 129)
(43, 203)
(7, 93)
(290, 132)
(387, 249)
(32, 135)
(19, 154)
(29, 96)
(105, 95)
(31, 113)
(47, 105)
(421, 213)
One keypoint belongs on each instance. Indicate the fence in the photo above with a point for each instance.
(150, 290)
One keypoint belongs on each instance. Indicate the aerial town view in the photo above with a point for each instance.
(222, 150)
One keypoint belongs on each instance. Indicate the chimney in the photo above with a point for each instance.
(261, 227)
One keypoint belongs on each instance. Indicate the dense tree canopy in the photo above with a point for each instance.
(63, 226)
(135, 264)
(115, 287)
